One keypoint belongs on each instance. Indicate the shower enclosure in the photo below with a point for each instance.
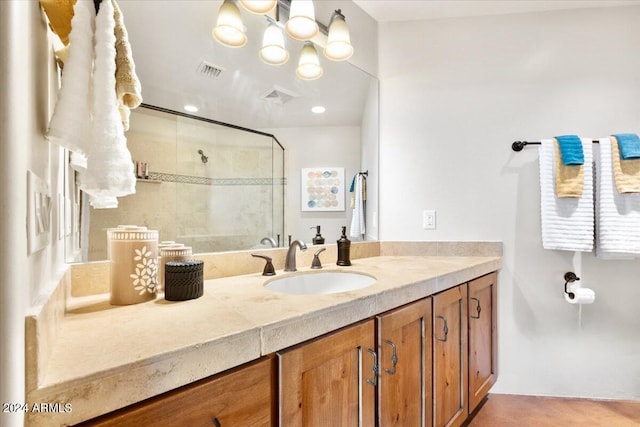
(210, 185)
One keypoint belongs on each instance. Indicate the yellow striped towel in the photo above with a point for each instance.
(569, 178)
(626, 172)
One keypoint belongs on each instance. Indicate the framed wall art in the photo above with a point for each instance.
(322, 189)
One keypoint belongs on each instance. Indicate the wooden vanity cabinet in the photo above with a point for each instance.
(450, 357)
(405, 374)
(241, 397)
(483, 343)
(428, 363)
(330, 381)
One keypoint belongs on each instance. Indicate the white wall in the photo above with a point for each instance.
(310, 147)
(370, 137)
(28, 81)
(454, 95)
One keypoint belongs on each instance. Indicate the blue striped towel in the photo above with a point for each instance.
(570, 149)
(629, 145)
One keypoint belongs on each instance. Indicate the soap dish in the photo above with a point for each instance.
(183, 280)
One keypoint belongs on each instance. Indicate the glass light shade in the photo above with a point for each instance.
(301, 24)
(259, 7)
(309, 65)
(229, 30)
(273, 51)
(338, 47)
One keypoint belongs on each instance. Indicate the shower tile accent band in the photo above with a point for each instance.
(201, 180)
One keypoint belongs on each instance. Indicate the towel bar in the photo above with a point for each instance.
(519, 145)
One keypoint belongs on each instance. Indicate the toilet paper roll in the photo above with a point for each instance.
(581, 296)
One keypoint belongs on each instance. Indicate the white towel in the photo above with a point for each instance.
(109, 165)
(567, 223)
(103, 202)
(617, 215)
(70, 125)
(357, 218)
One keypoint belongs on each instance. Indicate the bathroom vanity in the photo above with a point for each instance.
(421, 340)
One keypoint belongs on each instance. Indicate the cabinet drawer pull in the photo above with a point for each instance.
(374, 370)
(216, 422)
(445, 329)
(394, 358)
(478, 308)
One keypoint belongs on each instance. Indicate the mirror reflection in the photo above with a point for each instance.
(179, 63)
(203, 184)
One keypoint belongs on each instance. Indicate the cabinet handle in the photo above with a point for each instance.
(216, 422)
(394, 358)
(478, 309)
(374, 382)
(445, 330)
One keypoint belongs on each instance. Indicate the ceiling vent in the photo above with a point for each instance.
(209, 70)
(278, 95)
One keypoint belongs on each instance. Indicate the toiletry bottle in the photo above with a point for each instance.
(318, 239)
(344, 247)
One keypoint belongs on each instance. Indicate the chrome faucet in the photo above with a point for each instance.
(290, 262)
(269, 240)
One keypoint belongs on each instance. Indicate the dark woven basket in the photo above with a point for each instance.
(183, 280)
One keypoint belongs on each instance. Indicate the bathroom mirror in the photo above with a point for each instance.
(179, 63)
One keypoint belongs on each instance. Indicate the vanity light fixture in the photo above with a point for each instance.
(190, 108)
(302, 24)
(259, 7)
(338, 47)
(309, 65)
(318, 109)
(229, 29)
(273, 51)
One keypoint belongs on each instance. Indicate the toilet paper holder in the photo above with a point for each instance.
(570, 277)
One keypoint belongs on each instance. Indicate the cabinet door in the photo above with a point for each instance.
(405, 386)
(330, 381)
(450, 357)
(483, 346)
(242, 397)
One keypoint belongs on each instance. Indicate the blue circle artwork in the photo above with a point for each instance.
(311, 203)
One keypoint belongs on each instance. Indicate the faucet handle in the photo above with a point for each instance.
(316, 259)
(268, 267)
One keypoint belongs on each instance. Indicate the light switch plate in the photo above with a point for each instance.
(38, 213)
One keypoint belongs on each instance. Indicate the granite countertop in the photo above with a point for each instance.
(106, 357)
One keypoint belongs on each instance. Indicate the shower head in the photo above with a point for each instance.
(204, 158)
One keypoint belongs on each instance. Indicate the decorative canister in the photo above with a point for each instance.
(133, 254)
(183, 280)
(174, 252)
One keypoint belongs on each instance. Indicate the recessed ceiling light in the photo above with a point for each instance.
(191, 108)
(318, 109)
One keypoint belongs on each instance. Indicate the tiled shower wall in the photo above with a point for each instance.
(224, 204)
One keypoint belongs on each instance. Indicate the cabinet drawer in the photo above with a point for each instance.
(242, 397)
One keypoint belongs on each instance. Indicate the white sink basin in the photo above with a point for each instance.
(326, 282)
